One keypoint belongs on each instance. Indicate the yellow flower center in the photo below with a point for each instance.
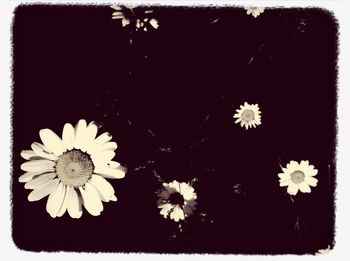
(297, 176)
(247, 115)
(74, 168)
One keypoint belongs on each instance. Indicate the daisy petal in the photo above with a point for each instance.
(283, 177)
(28, 176)
(41, 151)
(91, 199)
(101, 159)
(292, 189)
(103, 138)
(103, 187)
(154, 23)
(38, 165)
(113, 164)
(66, 198)
(43, 191)
(165, 209)
(74, 203)
(125, 22)
(28, 154)
(80, 135)
(285, 183)
(51, 141)
(311, 181)
(40, 181)
(68, 136)
(55, 200)
(304, 188)
(116, 173)
(91, 131)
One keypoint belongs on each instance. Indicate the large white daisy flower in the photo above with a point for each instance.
(72, 170)
(298, 177)
(248, 115)
(177, 200)
(254, 10)
(139, 19)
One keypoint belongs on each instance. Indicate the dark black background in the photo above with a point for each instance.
(168, 100)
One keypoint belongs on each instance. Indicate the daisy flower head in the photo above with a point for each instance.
(324, 251)
(248, 115)
(133, 16)
(72, 171)
(298, 177)
(254, 10)
(177, 200)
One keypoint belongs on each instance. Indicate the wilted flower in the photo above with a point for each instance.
(134, 16)
(177, 200)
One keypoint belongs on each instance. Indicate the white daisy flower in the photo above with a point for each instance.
(254, 11)
(177, 200)
(324, 251)
(130, 16)
(248, 115)
(72, 170)
(298, 177)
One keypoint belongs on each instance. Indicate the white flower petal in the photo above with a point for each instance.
(29, 154)
(51, 141)
(74, 208)
(80, 135)
(65, 202)
(312, 172)
(283, 177)
(68, 136)
(55, 200)
(304, 187)
(38, 165)
(103, 187)
(100, 148)
(165, 209)
(175, 185)
(40, 181)
(42, 192)
(41, 151)
(91, 199)
(102, 158)
(154, 23)
(177, 214)
(111, 173)
(292, 189)
(285, 183)
(116, 7)
(103, 138)
(28, 176)
(311, 181)
(91, 131)
(125, 22)
(113, 164)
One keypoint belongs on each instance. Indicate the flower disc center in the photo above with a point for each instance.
(248, 115)
(74, 168)
(297, 176)
(176, 199)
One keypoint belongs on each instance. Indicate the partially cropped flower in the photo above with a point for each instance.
(248, 115)
(177, 200)
(254, 11)
(298, 177)
(72, 170)
(134, 16)
(324, 251)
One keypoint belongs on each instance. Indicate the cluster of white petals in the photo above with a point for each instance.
(72, 171)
